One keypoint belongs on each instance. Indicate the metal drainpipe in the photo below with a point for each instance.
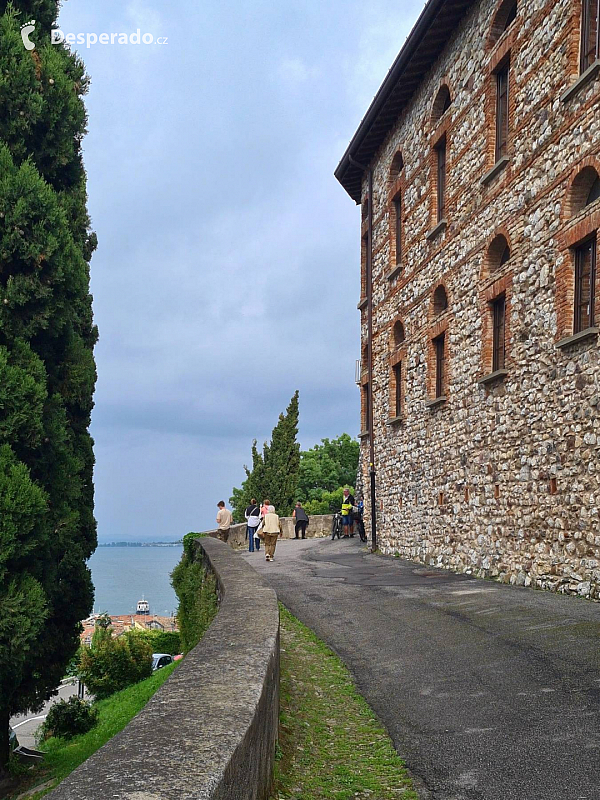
(370, 350)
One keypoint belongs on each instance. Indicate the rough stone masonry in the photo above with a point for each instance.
(486, 451)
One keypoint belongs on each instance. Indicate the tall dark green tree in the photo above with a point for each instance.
(282, 460)
(274, 473)
(47, 371)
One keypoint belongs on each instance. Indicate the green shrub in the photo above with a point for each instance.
(196, 588)
(111, 663)
(162, 641)
(69, 718)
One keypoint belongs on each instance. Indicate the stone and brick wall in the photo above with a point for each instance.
(502, 478)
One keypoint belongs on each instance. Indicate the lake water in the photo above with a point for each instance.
(123, 575)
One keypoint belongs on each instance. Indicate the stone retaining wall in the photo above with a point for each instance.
(209, 732)
(319, 526)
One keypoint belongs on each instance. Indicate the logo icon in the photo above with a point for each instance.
(27, 29)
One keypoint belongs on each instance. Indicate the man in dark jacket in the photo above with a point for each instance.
(301, 518)
(252, 514)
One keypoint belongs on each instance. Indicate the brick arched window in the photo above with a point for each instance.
(397, 167)
(440, 301)
(398, 334)
(585, 190)
(590, 34)
(441, 104)
(503, 19)
(498, 254)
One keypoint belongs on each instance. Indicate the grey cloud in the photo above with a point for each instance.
(227, 249)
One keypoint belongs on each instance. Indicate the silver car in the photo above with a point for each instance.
(161, 660)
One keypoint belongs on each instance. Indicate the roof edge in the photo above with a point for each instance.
(421, 26)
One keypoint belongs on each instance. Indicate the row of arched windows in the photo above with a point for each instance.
(585, 190)
(504, 17)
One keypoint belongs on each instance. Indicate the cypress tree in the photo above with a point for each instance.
(282, 460)
(274, 473)
(47, 371)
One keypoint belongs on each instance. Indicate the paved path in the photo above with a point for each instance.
(26, 725)
(487, 691)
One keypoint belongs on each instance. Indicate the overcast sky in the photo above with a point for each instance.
(227, 272)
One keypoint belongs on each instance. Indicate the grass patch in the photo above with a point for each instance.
(63, 756)
(331, 745)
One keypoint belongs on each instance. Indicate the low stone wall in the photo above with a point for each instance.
(319, 526)
(209, 732)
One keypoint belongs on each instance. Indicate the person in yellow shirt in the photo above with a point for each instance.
(347, 518)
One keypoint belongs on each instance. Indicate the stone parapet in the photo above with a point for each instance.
(209, 732)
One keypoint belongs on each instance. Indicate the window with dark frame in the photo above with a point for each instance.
(439, 344)
(367, 407)
(398, 389)
(590, 34)
(499, 333)
(366, 272)
(502, 77)
(585, 285)
(441, 179)
(398, 227)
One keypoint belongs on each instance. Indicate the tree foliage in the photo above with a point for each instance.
(162, 641)
(274, 473)
(327, 467)
(68, 718)
(196, 589)
(112, 663)
(47, 372)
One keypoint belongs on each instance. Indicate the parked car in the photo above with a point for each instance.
(161, 660)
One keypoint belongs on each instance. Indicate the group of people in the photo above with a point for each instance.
(263, 524)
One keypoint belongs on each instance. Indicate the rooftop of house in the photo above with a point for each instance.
(125, 622)
(431, 32)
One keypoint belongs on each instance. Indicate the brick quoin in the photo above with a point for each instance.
(496, 480)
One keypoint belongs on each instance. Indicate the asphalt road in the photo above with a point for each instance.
(26, 725)
(488, 691)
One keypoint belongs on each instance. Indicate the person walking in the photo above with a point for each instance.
(301, 518)
(223, 521)
(347, 507)
(252, 514)
(271, 532)
(264, 509)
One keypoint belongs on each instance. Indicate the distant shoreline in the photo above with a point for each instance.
(141, 544)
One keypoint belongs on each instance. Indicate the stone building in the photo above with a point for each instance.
(477, 168)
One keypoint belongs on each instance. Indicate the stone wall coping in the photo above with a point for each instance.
(588, 333)
(209, 732)
(495, 170)
(437, 229)
(497, 375)
(362, 303)
(396, 420)
(437, 401)
(586, 77)
(393, 273)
